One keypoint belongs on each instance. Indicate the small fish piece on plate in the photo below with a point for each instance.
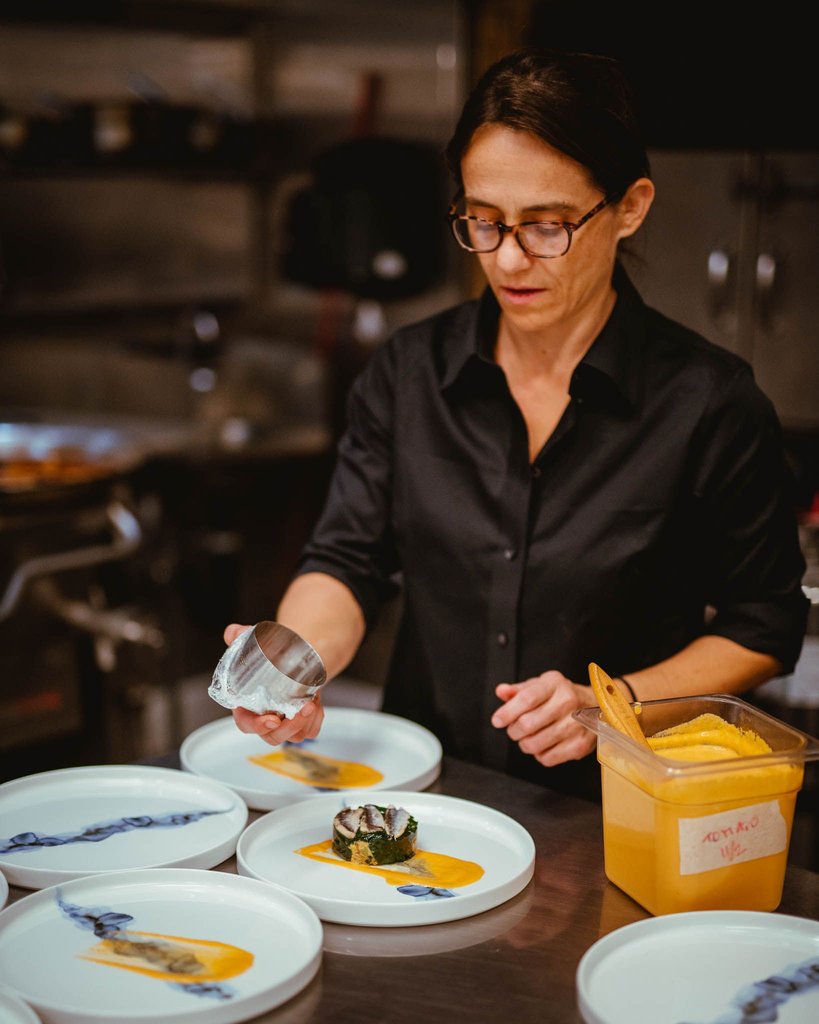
(374, 835)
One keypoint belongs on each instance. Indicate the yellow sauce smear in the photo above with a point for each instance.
(170, 957)
(317, 770)
(434, 869)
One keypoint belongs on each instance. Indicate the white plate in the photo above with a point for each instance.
(4, 890)
(46, 939)
(404, 754)
(700, 968)
(134, 801)
(13, 1010)
(429, 940)
(268, 849)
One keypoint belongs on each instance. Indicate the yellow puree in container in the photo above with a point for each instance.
(704, 840)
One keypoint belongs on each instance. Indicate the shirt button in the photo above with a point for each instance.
(509, 554)
(536, 471)
(503, 639)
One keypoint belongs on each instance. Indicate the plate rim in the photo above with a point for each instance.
(26, 1014)
(177, 876)
(33, 877)
(614, 939)
(265, 800)
(336, 911)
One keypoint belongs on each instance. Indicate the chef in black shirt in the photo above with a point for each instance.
(553, 474)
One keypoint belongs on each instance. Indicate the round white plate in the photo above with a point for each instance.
(432, 939)
(267, 849)
(145, 817)
(264, 941)
(4, 890)
(702, 967)
(13, 1010)
(405, 754)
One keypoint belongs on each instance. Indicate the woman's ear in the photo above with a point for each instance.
(634, 206)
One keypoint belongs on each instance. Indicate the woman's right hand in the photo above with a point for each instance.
(276, 729)
(272, 728)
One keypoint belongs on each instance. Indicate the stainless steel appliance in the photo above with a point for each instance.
(67, 530)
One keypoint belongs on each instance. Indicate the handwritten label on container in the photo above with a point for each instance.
(731, 837)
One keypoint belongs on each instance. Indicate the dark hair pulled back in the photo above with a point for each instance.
(578, 103)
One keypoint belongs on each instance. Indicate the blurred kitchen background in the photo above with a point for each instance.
(211, 212)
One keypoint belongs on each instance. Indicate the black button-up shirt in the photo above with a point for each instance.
(662, 493)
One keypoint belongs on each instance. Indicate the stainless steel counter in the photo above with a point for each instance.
(516, 962)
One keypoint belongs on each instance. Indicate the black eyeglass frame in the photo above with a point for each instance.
(569, 226)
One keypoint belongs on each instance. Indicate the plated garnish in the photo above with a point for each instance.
(374, 835)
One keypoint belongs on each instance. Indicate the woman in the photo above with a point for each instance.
(556, 473)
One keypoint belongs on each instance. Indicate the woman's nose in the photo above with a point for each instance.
(509, 255)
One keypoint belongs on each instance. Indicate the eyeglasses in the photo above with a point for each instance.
(545, 239)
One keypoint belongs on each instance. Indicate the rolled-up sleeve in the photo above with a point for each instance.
(745, 491)
(353, 539)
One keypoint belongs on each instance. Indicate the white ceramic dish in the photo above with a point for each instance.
(251, 946)
(13, 1010)
(4, 890)
(429, 940)
(403, 754)
(504, 850)
(702, 967)
(72, 822)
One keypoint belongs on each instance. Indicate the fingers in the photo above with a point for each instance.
(537, 716)
(574, 746)
(523, 698)
(275, 729)
(234, 630)
(309, 720)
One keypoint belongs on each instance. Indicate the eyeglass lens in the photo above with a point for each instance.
(541, 238)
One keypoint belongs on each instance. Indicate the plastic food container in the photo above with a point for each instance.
(704, 834)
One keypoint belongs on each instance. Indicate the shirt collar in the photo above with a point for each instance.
(609, 371)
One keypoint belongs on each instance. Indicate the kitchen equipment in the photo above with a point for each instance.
(705, 834)
(43, 465)
(41, 462)
(616, 709)
(70, 537)
(370, 222)
(268, 668)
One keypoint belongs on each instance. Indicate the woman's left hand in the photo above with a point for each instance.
(537, 715)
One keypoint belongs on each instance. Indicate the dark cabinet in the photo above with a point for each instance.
(731, 248)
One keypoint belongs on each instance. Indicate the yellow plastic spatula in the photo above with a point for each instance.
(616, 709)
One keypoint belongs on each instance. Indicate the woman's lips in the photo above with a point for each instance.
(520, 296)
